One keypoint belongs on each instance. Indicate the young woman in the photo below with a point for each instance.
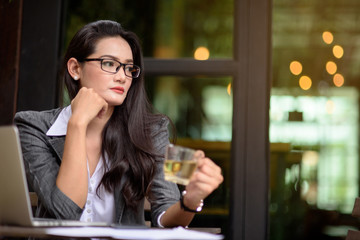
(98, 158)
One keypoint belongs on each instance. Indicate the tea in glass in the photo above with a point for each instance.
(180, 164)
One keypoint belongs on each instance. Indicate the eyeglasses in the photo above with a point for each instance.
(113, 66)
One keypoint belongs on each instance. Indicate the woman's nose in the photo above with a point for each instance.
(120, 75)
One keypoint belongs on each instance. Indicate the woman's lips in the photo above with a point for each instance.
(118, 89)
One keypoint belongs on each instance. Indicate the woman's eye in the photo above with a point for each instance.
(129, 69)
(108, 63)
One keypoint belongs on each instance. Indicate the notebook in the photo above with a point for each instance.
(15, 206)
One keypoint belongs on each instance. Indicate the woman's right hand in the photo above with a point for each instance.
(87, 105)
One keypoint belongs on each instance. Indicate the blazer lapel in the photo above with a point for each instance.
(57, 143)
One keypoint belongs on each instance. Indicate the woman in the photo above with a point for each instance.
(97, 159)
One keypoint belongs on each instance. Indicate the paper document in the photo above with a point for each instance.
(123, 233)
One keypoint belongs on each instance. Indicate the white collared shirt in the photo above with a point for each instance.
(97, 209)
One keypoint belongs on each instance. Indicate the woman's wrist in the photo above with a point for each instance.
(189, 206)
(75, 122)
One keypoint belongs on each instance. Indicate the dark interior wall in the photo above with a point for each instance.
(39, 56)
(10, 34)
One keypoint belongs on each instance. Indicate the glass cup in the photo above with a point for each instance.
(180, 163)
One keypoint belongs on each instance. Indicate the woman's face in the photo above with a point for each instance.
(112, 87)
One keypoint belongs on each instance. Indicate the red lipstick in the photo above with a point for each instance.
(118, 89)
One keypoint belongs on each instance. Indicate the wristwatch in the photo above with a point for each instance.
(185, 208)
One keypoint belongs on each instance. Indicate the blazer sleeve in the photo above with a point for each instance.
(163, 193)
(42, 164)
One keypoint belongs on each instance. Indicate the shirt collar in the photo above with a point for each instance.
(59, 127)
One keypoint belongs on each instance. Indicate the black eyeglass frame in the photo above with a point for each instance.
(121, 64)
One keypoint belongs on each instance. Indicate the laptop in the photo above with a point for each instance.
(15, 206)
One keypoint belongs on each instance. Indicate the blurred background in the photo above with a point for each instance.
(314, 109)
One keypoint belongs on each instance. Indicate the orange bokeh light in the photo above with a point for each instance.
(338, 80)
(295, 67)
(305, 82)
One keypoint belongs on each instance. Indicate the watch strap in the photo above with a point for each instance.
(185, 208)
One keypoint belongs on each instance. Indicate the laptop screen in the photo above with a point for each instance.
(15, 207)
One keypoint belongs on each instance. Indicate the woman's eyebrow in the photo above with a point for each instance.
(115, 58)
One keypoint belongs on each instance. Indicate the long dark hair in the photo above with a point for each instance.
(126, 137)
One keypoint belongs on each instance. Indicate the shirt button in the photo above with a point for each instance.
(90, 189)
(89, 219)
(92, 181)
(89, 210)
(88, 202)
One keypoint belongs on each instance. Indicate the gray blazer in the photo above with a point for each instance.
(42, 157)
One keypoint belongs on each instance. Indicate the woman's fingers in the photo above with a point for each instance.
(208, 167)
(199, 154)
(210, 176)
(88, 104)
(205, 180)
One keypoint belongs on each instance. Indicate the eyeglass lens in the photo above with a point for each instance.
(112, 66)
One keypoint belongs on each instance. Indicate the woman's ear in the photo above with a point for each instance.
(73, 67)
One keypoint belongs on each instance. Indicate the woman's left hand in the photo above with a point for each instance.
(203, 182)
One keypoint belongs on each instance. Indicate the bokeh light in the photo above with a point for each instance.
(229, 89)
(295, 67)
(202, 53)
(338, 51)
(331, 67)
(305, 82)
(327, 37)
(338, 80)
(330, 106)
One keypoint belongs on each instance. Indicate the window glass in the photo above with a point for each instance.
(167, 28)
(314, 119)
(201, 110)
